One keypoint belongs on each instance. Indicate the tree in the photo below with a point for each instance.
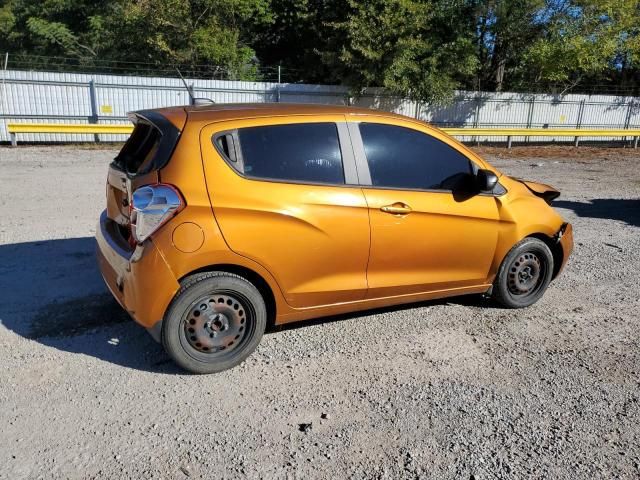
(504, 30)
(584, 40)
(301, 36)
(421, 49)
(158, 32)
(50, 27)
(190, 32)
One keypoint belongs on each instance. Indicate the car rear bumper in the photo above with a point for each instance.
(141, 281)
(565, 238)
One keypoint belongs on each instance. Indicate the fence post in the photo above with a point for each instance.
(94, 107)
(576, 141)
(627, 119)
(532, 105)
(476, 117)
(3, 105)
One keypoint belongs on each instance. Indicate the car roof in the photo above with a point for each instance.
(235, 111)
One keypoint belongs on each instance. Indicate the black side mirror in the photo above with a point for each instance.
(486, 180)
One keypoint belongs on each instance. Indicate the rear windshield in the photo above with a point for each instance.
(139, 150)
(150, 145)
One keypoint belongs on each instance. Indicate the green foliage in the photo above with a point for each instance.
(158, 32)
(419, 49)
(422, 49)
(300, 35)
(7, 20)
(581, 40)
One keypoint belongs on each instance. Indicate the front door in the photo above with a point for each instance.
(427, 232)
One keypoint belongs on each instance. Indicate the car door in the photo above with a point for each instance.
(429, 232)
(286, 195)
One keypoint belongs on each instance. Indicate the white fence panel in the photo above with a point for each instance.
(51, 97)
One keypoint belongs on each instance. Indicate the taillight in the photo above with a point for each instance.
(151, 207)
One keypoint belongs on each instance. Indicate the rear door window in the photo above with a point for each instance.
(400, 157)
(306, 152)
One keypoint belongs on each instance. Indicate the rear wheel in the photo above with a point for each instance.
(524, 275)
(214, 323)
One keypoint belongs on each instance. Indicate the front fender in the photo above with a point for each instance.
(522, 214)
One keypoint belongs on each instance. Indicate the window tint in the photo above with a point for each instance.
(308, 152)
(399, 157)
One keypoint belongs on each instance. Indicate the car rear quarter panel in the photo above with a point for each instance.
(185, 171)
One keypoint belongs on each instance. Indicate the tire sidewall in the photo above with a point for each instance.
(172, 323)
(528, 245)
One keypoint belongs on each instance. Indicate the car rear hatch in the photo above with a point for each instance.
(148, 149)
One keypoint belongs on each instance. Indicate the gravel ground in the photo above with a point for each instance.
(450, 389)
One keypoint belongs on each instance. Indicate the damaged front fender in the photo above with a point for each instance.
(542, 190)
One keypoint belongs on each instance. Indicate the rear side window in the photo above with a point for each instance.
(308, 152)
(399, 157)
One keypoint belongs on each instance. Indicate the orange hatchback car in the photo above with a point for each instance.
(224, 219)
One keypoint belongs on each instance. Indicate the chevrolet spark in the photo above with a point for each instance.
(223, 219)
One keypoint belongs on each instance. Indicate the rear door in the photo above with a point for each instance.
(428, 232)
(286, 195)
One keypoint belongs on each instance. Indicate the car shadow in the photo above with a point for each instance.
(51, 292)
(624, 210)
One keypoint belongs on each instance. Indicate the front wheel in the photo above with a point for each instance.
(524, 275)
(214, 323)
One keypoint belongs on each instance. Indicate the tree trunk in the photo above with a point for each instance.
(500, 64)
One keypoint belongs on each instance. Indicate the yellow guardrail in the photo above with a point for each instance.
(66, 128)
(543, 132)
(87, 128)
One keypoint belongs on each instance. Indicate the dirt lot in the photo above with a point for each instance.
(451, 389)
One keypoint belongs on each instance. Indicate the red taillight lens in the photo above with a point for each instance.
(151, 207)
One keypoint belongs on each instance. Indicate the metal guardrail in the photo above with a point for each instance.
(543, 132)
(69, 128)
(66, 128)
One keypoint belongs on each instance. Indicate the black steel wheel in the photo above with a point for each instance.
(524, 275)
(214, 323)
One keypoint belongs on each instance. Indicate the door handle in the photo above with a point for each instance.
(397, 208)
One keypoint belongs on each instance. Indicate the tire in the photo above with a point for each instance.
(524, 275)
(214, 322)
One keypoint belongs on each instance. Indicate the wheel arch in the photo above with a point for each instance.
(556, 250)
(252, 276)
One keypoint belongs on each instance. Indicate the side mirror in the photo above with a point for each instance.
(486, 180)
